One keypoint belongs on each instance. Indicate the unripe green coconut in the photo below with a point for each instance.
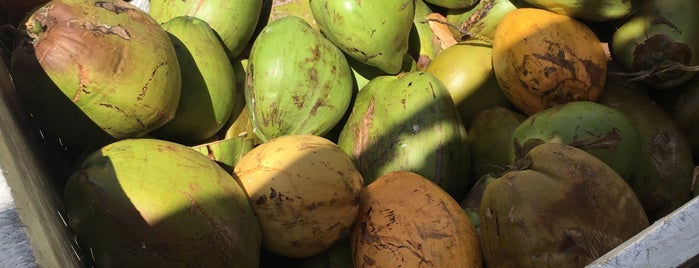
(155, 203)
(234, 21)
(602, 131)
(109, 59)
(375, 33)
(408, 123)
(298, 82)
(208, 82)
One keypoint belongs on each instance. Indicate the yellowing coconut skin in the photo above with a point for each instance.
(541, 59)
(304, 190)
(405, 220)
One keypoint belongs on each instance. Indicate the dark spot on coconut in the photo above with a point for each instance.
(317, 105)
(355, 201)
(548, 70)
(556, 55)
(565, 91)
(610, 141)
(83, 80)
(362, 137)
(144, 88)
(337, 224)
(316, 53)
(273, 193)
(596, 73)
(261, 200)
(473, 22)
(118, 9)
(369, 261)
(99, 29)
(657, 19)
(422, 61)
(297, 243)
(298, 101)
(314, 205)
(313, 76)
(391, 216)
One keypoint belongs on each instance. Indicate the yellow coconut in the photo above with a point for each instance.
(405, 220)
(304, 190)
(541, 59)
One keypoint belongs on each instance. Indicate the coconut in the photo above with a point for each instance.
(405, 220)
(541, 59)
(559, 207)
(155, 203)
(304, 191)
(92, 68)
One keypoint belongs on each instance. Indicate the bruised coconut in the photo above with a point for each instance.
(663, 170)
(560, 207)
(108, 58)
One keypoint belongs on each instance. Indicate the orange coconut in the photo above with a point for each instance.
(541, 59)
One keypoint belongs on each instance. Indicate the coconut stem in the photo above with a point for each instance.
(657, 70)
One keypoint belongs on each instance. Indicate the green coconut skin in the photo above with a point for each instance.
(664, 167)
(453, 4)
(154, 203)
(420, 131)
(466, 70)
(684, 109)
(298, 82)
(423, 44)
(597, 129)
(233, 20)
(490, 137)
(208, 82)
(375, 33)
(479, 21)
(661, 32)
(110, 59)
(589, 10)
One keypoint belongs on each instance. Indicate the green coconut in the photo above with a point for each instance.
(453, 4)
(208, 82)
(684, 109)
(375, 33)
(479, 21)
(658, 41)
(298, 82)
(490, 137)
(233, 20)
(588, 10)
(600, 130)
(408, 123)
(155, 203)
(92, 71)
(466, 70)
(664, 165)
